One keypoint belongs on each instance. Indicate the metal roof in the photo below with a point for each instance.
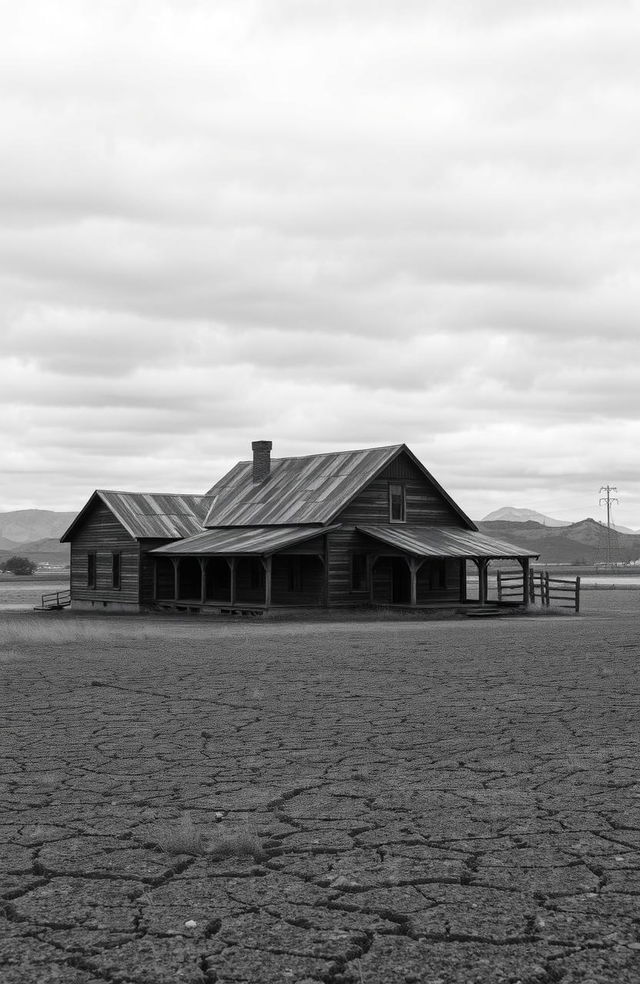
(151, 514)
(310, 489)
(444, 542)
(260, 540)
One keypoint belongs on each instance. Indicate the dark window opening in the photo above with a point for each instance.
(91, 570)
(294, 574)
(437, 575)
(115, 570)
(397, 504)
(358, 572)
(256, 575)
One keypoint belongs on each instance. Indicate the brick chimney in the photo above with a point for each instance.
(261, 460)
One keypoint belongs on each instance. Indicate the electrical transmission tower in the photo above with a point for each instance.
(608, 499)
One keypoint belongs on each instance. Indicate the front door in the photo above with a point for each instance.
(400, 582)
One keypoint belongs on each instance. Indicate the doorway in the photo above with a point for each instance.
(400, 581)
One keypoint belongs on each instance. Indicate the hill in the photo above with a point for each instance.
(27, 525)
(512, 514)
(46, 551)
(578, 543)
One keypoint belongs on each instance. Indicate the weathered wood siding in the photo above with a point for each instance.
(101, 533)
(341, 546)
(425, 504)
(311, 592)
(438, 580)
(146, 571)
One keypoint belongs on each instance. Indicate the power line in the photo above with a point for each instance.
(608, 499)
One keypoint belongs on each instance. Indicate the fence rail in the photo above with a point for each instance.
(562, 592)
(510, 586)
(542, 587)
(56, 599)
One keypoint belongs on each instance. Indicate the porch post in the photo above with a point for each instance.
(155, 578)
(463, 580)
(524, 563)
(232, 580)
(203, 579)
(414, 564)
(176, 577)
(267, 564)
(327, 584)
(371, 563)
(483, 580)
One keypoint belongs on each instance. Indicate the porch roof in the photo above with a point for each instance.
(248, 540)
(444, 542)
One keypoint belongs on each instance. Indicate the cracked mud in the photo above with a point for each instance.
(376, 802)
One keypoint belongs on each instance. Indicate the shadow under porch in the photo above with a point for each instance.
(287, 580)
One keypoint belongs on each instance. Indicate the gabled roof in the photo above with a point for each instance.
(444, 542)
(311, 489)
(150, 514)
(247, 540)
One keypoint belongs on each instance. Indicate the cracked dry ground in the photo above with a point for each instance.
(434, 802)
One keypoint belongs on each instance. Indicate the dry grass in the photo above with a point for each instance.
(184, 837)
(180, 837)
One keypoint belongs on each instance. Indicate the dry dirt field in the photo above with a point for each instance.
(201, 801)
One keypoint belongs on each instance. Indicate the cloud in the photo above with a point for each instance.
(332, 224)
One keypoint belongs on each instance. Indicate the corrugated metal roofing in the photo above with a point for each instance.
(310, 489)
(151, 514)
(444, 542)
(249, 540)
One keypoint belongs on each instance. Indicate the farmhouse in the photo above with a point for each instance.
(350, 528)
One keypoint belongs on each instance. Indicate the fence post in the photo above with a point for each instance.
(499, 583)
(546, 588)
(577, 594)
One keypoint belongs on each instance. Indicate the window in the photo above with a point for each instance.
(358, 572)
(294, 574)
(91, 570)
(256, 574)
(397, 504)
(115, 570)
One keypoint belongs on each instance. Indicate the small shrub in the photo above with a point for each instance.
(182, 837)
(240, 843)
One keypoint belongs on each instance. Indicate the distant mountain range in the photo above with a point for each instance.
(575, 544)
(35, 533)
(511, 514)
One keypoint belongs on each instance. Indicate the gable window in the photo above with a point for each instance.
(397, 503)
(91, 570)
(358, 572)
(115, 570)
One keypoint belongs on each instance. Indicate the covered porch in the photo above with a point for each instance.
(425, 566)
(249, 569)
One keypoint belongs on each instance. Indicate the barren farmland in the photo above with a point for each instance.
(438, 801)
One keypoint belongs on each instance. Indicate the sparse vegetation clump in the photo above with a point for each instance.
(184, 837)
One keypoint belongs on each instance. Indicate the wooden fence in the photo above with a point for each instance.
(510, 587)
(563, 593)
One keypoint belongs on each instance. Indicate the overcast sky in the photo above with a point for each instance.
(327, 223)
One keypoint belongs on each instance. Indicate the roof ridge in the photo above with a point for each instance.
(192, 495)
(324, 454)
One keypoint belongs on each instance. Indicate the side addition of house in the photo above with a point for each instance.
(350, 528)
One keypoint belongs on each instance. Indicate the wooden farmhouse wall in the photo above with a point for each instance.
(425, 504)
(102, 535)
